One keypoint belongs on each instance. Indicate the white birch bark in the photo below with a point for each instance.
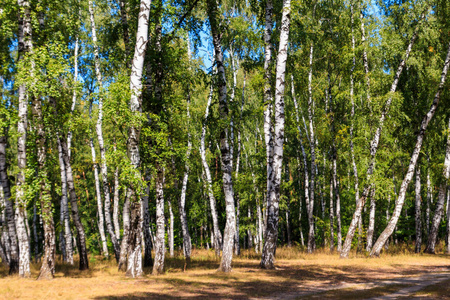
(101, 143)
(116, 203)
(305, 164)
(373, 150)
(331, 216)
(25, 45)
(268, 98)
(226, 159)
(352, 114)
(98, 196)
(134, 266)
(447, 241)
(160, 249)
(74, 94)
(401, 197)
(148, 243)
(371, 228)
(439, 210)
(429, 199)
(64, 207)
(171, 228)
(418, 214)
(126, 229)
(310, 206)
(212, 200)
(270, 242)
(47, 269)
(9, 234)
(187, 246)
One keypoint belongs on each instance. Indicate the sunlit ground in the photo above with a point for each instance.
(297, 275)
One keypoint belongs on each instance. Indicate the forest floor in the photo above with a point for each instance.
(298, 275)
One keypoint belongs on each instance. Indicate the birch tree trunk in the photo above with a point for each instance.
(401, 197)
(48, 263)
(310, 206)
(65, 220)
(160, 249)
(116, 203)
(122, 266)
(212, 201)
(25, 45)
(134, 265)
(238, 159)
(418, 215)
(187, 246)
(352, 115)
(270, 242)
(331, 216)
(305, 164)
(99, 131)
(429, 200)
(373, 150)
(10, 228)
(268, 98)
(171, 228)
(447, 241)
(371, 228)
(81, 236)
(226, 159)
(439, 210)
(101, 222)
(148, 261)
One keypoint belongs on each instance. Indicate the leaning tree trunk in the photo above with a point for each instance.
(160, 249)
(401, 197)
(134, 265)
(13, 249)
(47, 270)
(373, 151)
(226, 160)
(212, 201)
(101, 144)
(65, 220)
(439, 210)
(418, 215)
(25, 45)
(271, 234)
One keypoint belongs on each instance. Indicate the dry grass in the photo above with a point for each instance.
(297, 272)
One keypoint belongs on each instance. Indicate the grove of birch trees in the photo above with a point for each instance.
(140, 130)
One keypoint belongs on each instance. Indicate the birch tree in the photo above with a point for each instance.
(25, 45)
(134, 264)
(271, 234)
(402, 193)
